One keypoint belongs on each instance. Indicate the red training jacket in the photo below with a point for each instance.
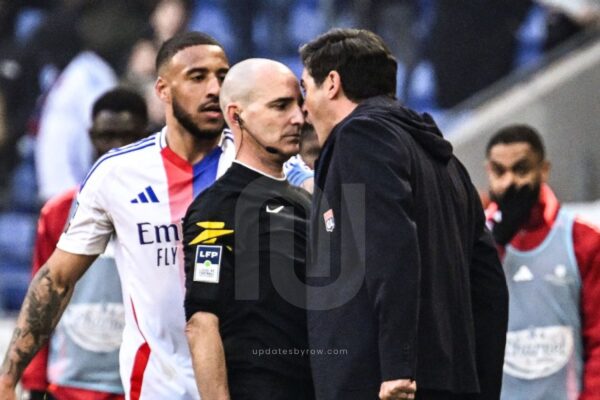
(586, 243)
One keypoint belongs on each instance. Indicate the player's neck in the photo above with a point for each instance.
(187, 146)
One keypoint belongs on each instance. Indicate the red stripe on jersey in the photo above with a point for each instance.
(139, 367)
(179, 178)
(71, 393)
(139, 364)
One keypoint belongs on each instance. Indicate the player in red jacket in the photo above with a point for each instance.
(552, 265)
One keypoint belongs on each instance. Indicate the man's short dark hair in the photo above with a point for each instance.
(182, 41)
(518, 134)
(366, 66)
(120, 100)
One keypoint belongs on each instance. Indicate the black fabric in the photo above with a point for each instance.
(431, 280)
(40, 395)
(260, 297)
(253, 385)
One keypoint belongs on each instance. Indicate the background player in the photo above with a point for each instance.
(552, 265)
(140, 193)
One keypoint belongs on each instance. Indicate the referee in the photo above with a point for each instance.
(245, 245)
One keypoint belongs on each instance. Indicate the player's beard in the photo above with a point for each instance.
(186, 120)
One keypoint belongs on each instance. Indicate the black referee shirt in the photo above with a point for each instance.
(245, 253)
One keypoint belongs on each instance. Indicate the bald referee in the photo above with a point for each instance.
(245, 245)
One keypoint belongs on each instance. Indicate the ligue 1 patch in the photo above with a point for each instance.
(208, 264)
(329, 221)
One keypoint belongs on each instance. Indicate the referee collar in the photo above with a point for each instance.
(259, 172)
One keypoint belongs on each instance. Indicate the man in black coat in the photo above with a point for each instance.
(406, 287)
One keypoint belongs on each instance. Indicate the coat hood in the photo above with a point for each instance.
(421, 127)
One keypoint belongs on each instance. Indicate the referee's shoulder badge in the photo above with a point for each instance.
(208, 264)
(211, 231)
(329, 220)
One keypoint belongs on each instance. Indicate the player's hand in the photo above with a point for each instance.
(515, 205)
(398, 389)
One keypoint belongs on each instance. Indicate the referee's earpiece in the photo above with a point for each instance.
(239, 120)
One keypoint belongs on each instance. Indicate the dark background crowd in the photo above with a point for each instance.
(448, 51)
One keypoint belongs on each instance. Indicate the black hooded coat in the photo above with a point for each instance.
(404, 279)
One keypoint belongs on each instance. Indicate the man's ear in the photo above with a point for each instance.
(232, 115)
(333, 83)
(162, 90)
(488, 166)
(545, 170)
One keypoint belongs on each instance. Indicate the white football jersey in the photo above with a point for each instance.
(140, 193)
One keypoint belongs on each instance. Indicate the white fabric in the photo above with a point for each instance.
(148, 254)
(64, 152)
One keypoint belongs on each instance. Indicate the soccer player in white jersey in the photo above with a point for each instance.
(139, 193)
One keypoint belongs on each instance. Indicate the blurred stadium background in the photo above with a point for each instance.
(552, 83)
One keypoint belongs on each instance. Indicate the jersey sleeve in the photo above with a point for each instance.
(90, 227)
(586, 240)
(208, 244)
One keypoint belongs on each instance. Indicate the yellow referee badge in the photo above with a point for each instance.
(208, 264)
(211, 231)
